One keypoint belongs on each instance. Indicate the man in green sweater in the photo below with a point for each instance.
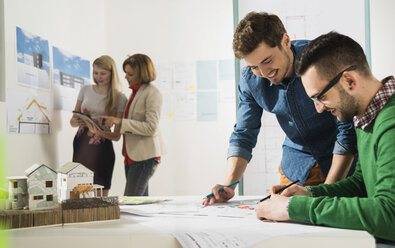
(336, 76)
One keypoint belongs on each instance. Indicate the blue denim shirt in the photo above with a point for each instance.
(310, 136)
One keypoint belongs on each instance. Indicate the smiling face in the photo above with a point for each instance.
(101, 76)
(131, 76)
(336, 100)
(272, 63)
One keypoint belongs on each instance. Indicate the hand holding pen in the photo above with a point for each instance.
(279, 190)
(227, 193)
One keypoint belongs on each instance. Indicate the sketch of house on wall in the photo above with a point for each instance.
(71, 175)
(34, 119)
(41, 187)
(17, 192)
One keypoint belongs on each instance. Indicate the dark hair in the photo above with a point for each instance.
(143, 66)
(255, 28)
(330, 53)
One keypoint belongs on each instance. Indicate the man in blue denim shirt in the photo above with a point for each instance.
(317, 148)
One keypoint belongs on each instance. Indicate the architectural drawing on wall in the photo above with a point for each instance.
(28, 113)
(184, 76)
(164, 77)
(185, 106)
(206, 75)
(32, 60)
(41, 187)
(190, 89)
(167, 106)
(207, 106)
(70, 73)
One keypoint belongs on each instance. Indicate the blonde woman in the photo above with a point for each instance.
(142, 146)
(94, 149)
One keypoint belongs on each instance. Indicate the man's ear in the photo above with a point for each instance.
(286, 41)
(349, 79)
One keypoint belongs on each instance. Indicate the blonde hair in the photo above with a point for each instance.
(105, 62)
(143, 66)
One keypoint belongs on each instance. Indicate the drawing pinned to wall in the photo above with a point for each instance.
(164, 77)
(226, 80)
(190, 89)
(167, 106)
(184, 76)
(206, 75)
(185, 106)
(32, 60)
(70, 73)
(28, 113)
(207, 107)
(226, 69)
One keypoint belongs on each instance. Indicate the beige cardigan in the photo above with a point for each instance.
(142, 136)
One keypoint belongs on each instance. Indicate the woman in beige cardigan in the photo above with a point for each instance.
(142, 143)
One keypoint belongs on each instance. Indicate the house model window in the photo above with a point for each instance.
(48, 184)
(49, 198)
(38, 197)
(15, 184)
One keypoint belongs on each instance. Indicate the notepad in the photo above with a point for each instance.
(87, 118)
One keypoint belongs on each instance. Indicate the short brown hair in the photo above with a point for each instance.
(143, 66)
(255, 28)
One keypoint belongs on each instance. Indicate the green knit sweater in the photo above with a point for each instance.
(366, 200)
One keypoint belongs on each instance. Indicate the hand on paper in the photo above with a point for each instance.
(109, 121)
(223, 196)
(274, 208)
(293, 190)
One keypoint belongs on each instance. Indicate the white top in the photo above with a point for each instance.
(94, 103)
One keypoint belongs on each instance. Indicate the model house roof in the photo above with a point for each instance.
(17, 178)
(66, 168)
(34, 167)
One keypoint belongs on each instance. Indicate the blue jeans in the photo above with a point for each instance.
(137, 176)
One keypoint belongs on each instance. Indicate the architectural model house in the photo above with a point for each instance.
(71, 175)
(39, 194)
(41, 187)
(17, 192)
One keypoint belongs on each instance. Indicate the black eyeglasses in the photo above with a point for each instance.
(331, 84)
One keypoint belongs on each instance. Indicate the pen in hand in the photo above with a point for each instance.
(222, 189)
(280, 190)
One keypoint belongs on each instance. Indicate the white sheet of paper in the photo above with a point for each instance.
(217, 226)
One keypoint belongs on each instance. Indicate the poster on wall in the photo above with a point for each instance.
(32, 60)
(28, 113)
(70, 73)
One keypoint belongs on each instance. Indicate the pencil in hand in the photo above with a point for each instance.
(222, 189)
(279, 191)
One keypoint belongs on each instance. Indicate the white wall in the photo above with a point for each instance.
(73, 25)
(167, 31)
(179, 31)
(382, 35)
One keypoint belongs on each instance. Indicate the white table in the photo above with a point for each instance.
(129, 231)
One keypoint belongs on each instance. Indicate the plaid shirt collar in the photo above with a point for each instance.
(377, 104)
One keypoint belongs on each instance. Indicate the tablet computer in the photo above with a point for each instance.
(87, 118)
